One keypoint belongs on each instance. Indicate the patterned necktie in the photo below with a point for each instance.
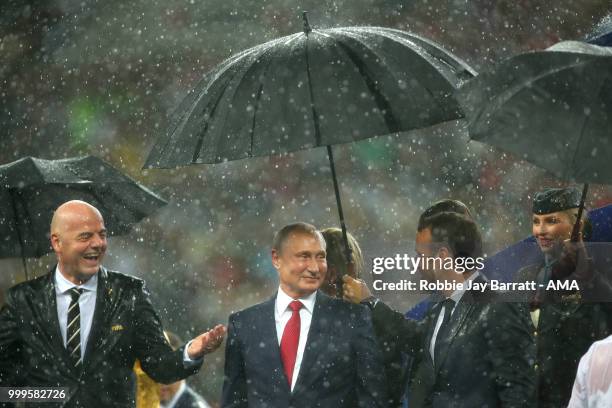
(73, 331)
(290, 340)
(442, 335)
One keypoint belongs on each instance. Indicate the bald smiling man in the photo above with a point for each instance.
(82, 326)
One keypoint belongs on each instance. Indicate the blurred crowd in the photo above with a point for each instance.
(102, 78)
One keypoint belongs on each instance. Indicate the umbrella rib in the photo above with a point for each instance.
(381, 101)
(516, 89)
(262, 51)
(315, 117)
(452, 68)
(581, 135)
(255, 109)
(184, 117)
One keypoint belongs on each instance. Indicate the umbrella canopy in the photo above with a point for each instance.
(31, 189)
(316, 88)
(551, 108)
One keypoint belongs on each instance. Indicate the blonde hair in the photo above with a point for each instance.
(336, 256)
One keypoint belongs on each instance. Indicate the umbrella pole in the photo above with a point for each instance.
(576, 229)
(347, 248)
(23, 261)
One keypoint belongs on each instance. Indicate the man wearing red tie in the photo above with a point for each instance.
(302, 348)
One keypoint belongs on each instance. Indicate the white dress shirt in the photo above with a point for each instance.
(282, 314)
(593, 384)
(87, 305)
(456, 296)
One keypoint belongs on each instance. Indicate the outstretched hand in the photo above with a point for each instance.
(355, 290)
(206, 342)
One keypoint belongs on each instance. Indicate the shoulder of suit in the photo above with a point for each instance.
(341, 309)
(119, 278)
(254, 310)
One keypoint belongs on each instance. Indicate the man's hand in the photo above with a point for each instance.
(206, 342)
(355, 290)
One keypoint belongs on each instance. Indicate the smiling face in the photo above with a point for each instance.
(551, 229)
(78, 238)
(301, 264)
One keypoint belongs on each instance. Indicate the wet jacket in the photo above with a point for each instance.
(567, 327)
(125, 327)
(486, 358)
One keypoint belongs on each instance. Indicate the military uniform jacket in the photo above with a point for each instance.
(125, 327)
(567, 327)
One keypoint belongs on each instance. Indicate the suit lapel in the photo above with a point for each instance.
(432, 318)
(314, 341)
(50, 315)
(100, 318)
(50, 322)
(270, 354)
(462, 310)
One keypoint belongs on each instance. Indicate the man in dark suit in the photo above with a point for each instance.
(301, 348)
(471, 350)
(82, 326)
(565, 322)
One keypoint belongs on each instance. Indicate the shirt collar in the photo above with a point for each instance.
(458, 294)
(62, 285)
(175, 397)
(283, 300)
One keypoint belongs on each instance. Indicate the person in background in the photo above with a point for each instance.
(337, 262)
(147, 390)
(564, 323)
(593, 384)
(179, 394)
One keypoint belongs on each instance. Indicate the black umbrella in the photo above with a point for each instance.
(552, 108)
(315, 88)
(31, 189)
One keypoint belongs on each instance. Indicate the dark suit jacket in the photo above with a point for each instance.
(125, 327)
(485, 359)
(566, 329)
(341, 366)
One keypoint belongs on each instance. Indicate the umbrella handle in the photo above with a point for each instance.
(21, 243)
(307, 28)
(347, 249)
(576, 230)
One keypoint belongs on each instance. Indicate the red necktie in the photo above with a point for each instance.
(290, 340)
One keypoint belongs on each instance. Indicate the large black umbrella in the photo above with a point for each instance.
(31, 189)
(552, 108)
(314, 88)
